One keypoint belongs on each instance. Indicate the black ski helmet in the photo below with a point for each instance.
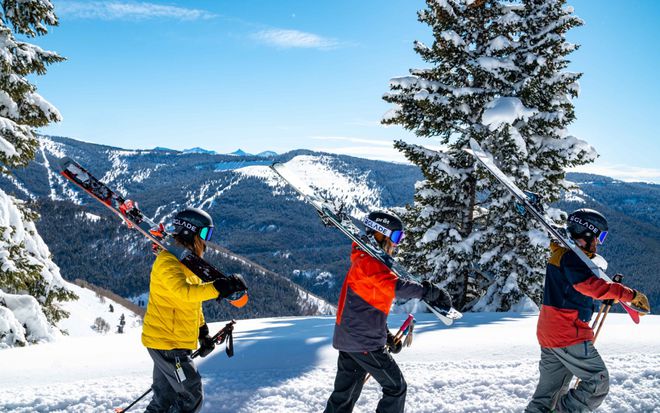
(386, 223)
(587, 224)
(192, 222)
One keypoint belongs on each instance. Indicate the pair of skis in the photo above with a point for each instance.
(128, 211)
(344, 223)
(531, 204)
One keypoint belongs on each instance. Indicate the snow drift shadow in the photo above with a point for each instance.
(266, 355)
(272, 356)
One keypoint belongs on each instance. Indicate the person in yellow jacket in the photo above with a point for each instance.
(174, 321)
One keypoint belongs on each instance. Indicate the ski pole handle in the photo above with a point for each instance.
(406, 323)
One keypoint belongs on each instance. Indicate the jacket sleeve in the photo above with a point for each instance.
(409, 289)
(174, 279)
(585, 282)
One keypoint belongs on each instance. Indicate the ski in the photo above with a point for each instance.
(531, 204)
(129, 212)
(344, 223)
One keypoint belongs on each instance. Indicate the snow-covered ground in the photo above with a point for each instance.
(486, 362)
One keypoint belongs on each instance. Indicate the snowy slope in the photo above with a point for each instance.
(487, 362)
(84, 311)
(350, 187)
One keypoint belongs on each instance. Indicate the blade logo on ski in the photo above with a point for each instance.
(344, 224)
(128, 211)
(529, 205)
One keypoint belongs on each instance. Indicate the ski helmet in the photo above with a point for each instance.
(386, 223)
(586, 224)
(191, 222)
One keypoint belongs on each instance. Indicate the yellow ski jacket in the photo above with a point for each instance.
(174, 312)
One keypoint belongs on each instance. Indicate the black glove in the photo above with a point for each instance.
(230, 285)
(436, 296)
(206, 343)
(394, 346)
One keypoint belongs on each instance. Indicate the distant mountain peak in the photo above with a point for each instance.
(197, 149)
(163, 149)
(240, 152)
(267, 154)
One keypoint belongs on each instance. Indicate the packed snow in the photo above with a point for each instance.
(486, 362)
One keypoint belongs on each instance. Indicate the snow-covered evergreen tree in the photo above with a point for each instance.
(30, 283)
(496, 76)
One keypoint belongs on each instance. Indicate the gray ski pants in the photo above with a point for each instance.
(557, 368)
(173, 391)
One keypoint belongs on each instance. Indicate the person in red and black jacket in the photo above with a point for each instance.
(361, 333)
(563, 329)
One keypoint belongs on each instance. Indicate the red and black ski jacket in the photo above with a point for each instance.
(365, 301)
(568, 299)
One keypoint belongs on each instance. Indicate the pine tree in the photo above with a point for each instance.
(496, 76)
(30, 283)
(469, 67)
(534, 148)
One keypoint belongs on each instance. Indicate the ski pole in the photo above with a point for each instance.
(226, 333)
(598, 322)
(405, 329)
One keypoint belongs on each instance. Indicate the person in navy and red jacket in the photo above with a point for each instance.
(361, 333)
(563, 329)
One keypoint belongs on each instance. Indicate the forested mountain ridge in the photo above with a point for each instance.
(259, 218)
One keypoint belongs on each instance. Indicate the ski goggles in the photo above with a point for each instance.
(601, 237)
(206, 233)
(395, 236)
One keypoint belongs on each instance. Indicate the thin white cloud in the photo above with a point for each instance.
(377, 153)
(289, 39)
(377, 142)
(622, 172)
(376, 149)
(126, 10)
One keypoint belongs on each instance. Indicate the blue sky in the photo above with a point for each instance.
(310, 74)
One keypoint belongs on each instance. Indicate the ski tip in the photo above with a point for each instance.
(275, 166)
(64, 161)
(239, 302)
(447, 321)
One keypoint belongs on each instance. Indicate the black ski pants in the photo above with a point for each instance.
(352, 369)
(177, 385)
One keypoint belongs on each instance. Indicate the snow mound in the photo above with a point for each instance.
(22, 320)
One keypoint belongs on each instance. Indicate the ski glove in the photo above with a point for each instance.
(436, 296)
(393, 344)
(230, 285)
(641, 301)
(206, 343)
